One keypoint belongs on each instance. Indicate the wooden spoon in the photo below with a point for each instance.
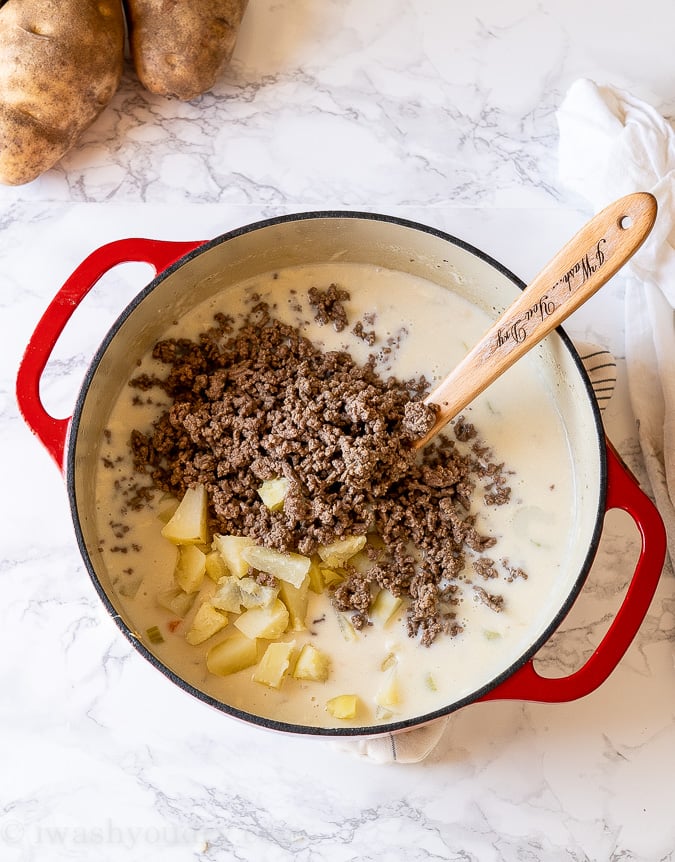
(579, 269)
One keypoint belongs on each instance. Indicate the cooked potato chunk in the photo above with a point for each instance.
(296, 600)
(188, 525)
(388, 694)
(312, 664)
(343, 706)
(340, 551)
(231, 550)
(190, 568)
(206, 623)
(232, 655)
(274, 664)
(176, 600)
(273, 492)
(384, 606)
(286, 567)
(215, 566)
(268, 622)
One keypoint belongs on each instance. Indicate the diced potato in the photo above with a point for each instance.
(167, 509)
(361, 562)
(274, 664)
(312, 664)
(206, 623)
(232, 655)
(316, 582)
(390, 660)
(286, 567)
(347, 630)
(383, 714)
(228, 595)
(255, 595)
(216, 567)
(273, 492)
(331, 577)
(129, 585)
(268, 622)
(190, 568)
(176, 600)
(296, 600)
(388, 695)
(188, 524)
(230, 549)
(384, 607)
(338, 552)
(343, 706)
(234, 593)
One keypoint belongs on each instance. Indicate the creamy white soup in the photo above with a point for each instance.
(426, 330)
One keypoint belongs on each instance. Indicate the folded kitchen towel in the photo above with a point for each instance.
(412, 746)
(611, 144)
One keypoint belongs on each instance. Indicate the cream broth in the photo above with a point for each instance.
(428, 330)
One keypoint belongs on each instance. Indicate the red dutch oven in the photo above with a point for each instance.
(189, 272)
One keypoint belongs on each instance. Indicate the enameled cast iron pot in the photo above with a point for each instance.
(188, 272)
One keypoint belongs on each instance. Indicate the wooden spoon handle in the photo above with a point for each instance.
(582, 266)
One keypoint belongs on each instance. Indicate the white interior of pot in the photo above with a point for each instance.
(356, 239)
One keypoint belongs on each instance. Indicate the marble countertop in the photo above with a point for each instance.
(441, 114)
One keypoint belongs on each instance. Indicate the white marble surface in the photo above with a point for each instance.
(426, 110)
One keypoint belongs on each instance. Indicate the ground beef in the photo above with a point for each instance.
(264, 402)
(328, 306)
(419, 418)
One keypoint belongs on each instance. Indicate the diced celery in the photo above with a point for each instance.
(154, 635)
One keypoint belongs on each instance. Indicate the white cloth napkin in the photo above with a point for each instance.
(412, 746)
(611, 144)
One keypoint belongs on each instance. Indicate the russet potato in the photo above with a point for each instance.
(60, 65)
(180, 47)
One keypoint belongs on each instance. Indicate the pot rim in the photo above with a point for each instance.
(270, 723)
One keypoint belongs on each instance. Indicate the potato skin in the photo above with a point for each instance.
(179, 47)
(60, 64)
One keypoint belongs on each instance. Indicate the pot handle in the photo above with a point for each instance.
(623, 492)
(50, 431)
